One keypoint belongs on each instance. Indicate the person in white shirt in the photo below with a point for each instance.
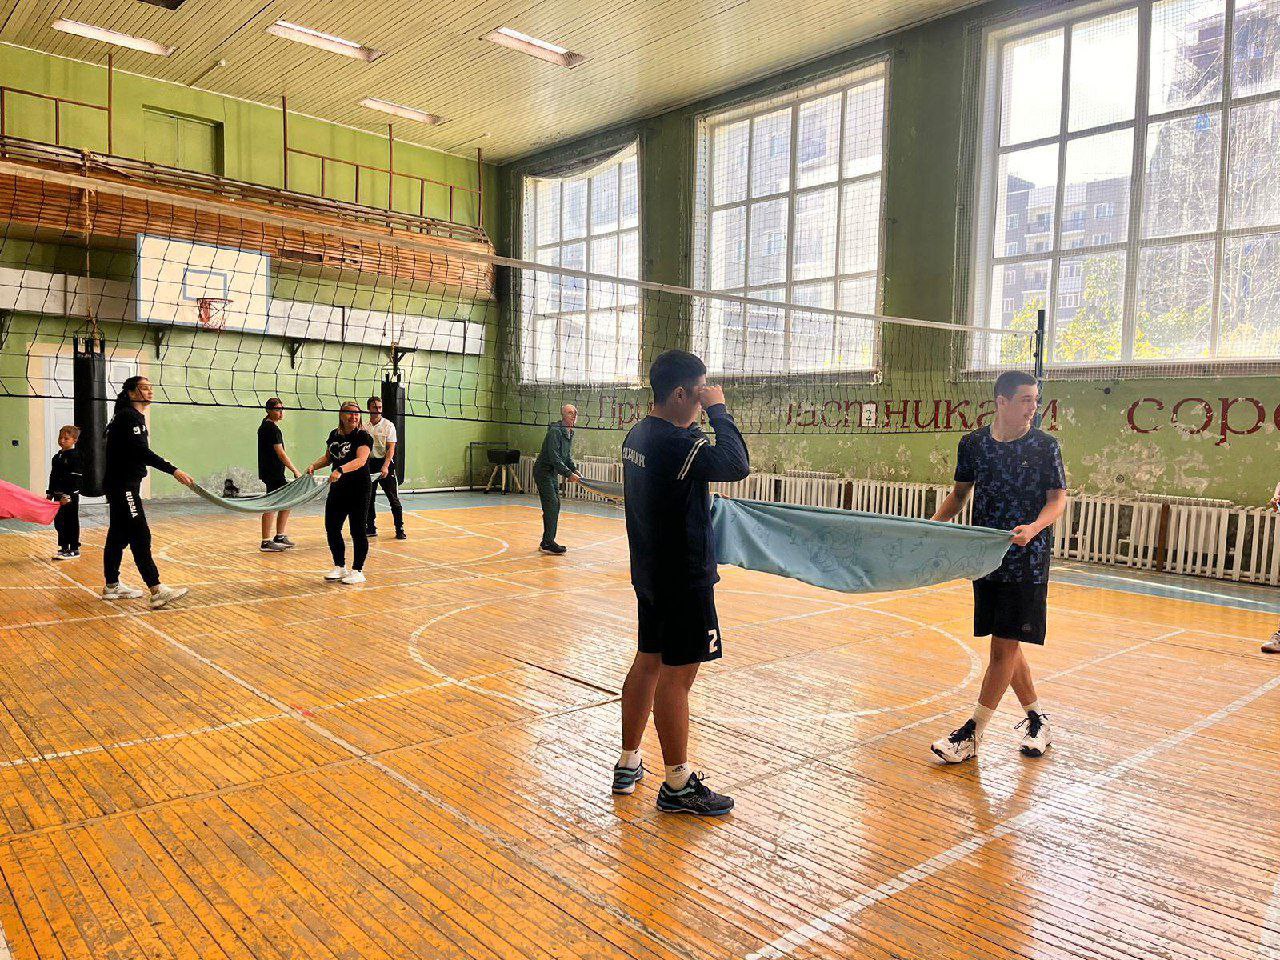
(382, 469)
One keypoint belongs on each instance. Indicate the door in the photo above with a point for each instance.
(60, 410)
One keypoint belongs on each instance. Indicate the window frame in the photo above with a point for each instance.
(529, 253)
(988, 150)
(792, 98)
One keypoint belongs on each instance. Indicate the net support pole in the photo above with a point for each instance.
(393, 409)
(89, 408)
(1039, 362)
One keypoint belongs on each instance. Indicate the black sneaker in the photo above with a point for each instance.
(401, 535)
(371, 534)
(626, 778)
(694, 798)
(553, 548)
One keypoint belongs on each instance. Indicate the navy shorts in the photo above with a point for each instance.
(1011, 611)
(682, 626)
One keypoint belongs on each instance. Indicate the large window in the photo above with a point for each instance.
(576, 330)
(789, 209)
(1130, 182)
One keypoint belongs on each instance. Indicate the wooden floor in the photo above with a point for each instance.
(419, 768)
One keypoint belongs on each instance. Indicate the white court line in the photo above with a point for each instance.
(841, 914)
(1157, 587)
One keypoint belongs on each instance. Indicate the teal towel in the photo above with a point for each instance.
(849, 551)
(302, 490)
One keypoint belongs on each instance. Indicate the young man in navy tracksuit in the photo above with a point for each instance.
(667, 463)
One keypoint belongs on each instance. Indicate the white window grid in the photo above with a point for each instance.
(991, 149)
(868, 72)
(548, 296)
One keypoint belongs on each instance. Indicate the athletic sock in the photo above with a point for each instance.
(678, 775)
(630, 759)
(1034, 707)
(981, 717)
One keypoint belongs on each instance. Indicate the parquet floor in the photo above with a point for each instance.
(418, 768)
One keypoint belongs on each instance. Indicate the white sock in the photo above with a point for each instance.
(630, 759)
(678, 775)
(981, 717)
(1033, 707)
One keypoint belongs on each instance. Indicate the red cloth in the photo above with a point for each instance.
(17, 503)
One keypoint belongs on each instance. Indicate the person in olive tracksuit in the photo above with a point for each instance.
(555, 461)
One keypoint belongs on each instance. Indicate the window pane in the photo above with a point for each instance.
(771, 153)
(1031, 88)
(814, 251)
(1104, 70)
(1186, 53)
(573, 256)
(1017, 292)
(543, 348)
(604, 200)
(1249, 323)
(629, 192)
(1255, 47)
(628, 347)
(728, 248)
(575, 210)
(547, 193)
(1090, 303)
(604, 259)
(572, 338)
(729, 162)
(1253, 175)
(811, 333)
(767, 253)
(1175, 302)
(864, 129)
(860, 226)
(726, 336)
(1183, 163)
(548, 283)
(1095, 200)
(766, 328)
(858, 295)
(629, 266)
(1025, 195)
(818, 141)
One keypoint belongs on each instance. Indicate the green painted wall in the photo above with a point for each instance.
(1181, 454)
(207, 440)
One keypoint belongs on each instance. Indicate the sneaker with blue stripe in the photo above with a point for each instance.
(695, 798)
(626, 778)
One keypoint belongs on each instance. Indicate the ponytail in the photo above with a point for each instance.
(123, 401)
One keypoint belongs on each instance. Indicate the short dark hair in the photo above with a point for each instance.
(274, 403)
(372, 400)
(1007, 383)
(675, 368)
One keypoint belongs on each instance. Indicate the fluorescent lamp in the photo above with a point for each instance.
(324, 41)
(506, 37)
(399, 110)
(90, 32)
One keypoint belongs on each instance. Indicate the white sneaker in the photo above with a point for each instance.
(163, 596)
(118, 591)
(1272, 645)
(960, 745)
(337, 573)
(353, 576)
(1037, 739)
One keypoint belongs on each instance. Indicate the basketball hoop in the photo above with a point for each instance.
(212, 312)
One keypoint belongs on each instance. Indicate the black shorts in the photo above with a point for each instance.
(682, 627)
(1011, 611)
(273, 483)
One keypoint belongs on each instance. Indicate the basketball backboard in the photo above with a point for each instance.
(174, 276)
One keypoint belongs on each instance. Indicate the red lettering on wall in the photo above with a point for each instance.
(1131, 415)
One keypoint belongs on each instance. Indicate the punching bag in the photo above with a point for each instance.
(89, 405)
(393, 410)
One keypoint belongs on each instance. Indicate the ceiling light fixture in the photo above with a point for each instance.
(399, 110)
(90, 32)
(167, 4)
(323, 41)
(506, 37)
(216, 65)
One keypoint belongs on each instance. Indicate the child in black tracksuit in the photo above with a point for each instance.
(65, 477)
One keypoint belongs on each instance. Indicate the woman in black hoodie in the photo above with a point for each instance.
(128, 456)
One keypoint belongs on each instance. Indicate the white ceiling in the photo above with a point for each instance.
(643, 56)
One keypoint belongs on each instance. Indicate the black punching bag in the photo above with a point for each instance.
(89, 404)
(393, 410)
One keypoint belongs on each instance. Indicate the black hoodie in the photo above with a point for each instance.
(128, 452)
